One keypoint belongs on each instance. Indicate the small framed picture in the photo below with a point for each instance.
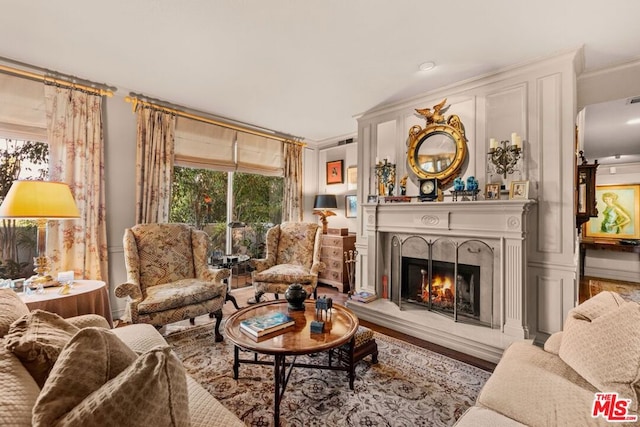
(352, 177)
(334, 172)
(519, 190)
(492, 191)
(350, 206)
(372, 198)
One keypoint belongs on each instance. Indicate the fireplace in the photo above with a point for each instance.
(484, 242)
(442, 287)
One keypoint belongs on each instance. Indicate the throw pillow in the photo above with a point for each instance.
(18, 392)
(11, 309)
(37, 339)
(605, 350)
(92, 357)
(152, 391)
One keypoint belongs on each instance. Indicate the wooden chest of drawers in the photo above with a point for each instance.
(332, 254)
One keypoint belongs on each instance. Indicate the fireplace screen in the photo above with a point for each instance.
(444, 289)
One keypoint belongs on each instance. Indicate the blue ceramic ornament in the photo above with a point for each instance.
(458, 184)
(472, 183)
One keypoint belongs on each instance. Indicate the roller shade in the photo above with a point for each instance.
(22, 108)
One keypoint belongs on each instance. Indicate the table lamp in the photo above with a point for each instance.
(322, 204)
(39, 200)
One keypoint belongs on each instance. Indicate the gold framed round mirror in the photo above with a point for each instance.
(440, 149)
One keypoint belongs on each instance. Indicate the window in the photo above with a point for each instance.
(200, 197)
(19, 159)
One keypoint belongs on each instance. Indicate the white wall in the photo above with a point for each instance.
(120, 176)
(538, 101)
(616, 82)
(348, 154)
(609, 264)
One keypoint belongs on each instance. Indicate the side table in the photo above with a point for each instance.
(230, 262)
(85, 297)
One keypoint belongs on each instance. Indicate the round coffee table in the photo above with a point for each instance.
(339, 329)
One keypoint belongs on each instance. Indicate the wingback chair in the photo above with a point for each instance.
(168, 278)
(292, 256)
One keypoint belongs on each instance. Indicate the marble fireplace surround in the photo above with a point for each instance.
(500, 223)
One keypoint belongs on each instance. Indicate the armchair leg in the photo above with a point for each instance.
(277, 297)
(256, 298)
(218, 316)
(192, 320)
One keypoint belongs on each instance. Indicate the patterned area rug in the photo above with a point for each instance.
(409, 386)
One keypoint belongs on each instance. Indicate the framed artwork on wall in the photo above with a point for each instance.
(519, 190)
(350, 206)
(334, 172)
(618, 213)
(352, 177)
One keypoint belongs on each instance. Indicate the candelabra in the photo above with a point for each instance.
(350, 261)
(386, 173)
(505, 156)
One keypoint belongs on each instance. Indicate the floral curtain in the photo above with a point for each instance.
(154, 165)
(292, 198)
(76, 147)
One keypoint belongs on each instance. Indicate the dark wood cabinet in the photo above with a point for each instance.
(585, 192)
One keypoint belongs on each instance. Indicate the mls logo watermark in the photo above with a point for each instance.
(612, 408)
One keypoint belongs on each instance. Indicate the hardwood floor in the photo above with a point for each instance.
(242, 294)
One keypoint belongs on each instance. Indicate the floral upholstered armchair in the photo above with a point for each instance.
(292, 256)
(168, 278)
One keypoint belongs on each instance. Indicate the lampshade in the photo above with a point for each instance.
(325, 201)
(39, 200)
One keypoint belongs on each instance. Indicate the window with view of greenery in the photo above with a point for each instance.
(19, 160)
(199, 197)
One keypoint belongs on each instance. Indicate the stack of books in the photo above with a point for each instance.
(260, 326)
(363, 296)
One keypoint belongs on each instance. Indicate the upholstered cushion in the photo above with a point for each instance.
(537, 388)
(604, 345)
(18, 391)
(285, 273)
(164, 253)
(92, 357)
(11, 309)
(151, 391)
(179, 294)
(552, 344)
(296, 243)
(37, 339)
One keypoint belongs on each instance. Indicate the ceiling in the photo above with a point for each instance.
(612, 131)
(300, 67)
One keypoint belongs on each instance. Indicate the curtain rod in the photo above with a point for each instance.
(135, 100)
(59, 79)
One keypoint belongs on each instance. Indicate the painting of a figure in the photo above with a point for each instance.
(618, 216)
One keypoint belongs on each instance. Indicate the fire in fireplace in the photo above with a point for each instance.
(441, 289)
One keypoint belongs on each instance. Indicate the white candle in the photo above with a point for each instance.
(377, 160)
(517, 141)
(493, 144)
(513, 138)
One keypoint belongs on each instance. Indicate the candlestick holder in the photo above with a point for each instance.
(504, 158)
(386, 174)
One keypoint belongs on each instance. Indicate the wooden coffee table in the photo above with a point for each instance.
(297, 340)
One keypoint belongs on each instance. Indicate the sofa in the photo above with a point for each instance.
(77, 371)
(598, 351)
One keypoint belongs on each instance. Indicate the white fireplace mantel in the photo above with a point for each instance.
(498, 222)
